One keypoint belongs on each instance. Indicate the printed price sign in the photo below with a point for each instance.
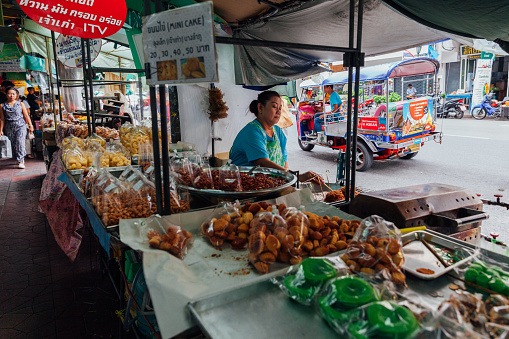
(69, 50)
(90, 19)
(180, 45)
(10, 66)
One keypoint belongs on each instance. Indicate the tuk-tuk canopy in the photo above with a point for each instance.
(415, 66)
(308, 83)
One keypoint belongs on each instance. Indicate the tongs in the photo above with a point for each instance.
(250, 173)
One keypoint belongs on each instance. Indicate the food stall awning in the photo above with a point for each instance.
(322, 23)
(468, 18)
(308, 83)
(385, 71)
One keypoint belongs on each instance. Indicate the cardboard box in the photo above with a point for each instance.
(220, 159)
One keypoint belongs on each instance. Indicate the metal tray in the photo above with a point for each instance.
(290, 178)
(417, 255)
(258, 311)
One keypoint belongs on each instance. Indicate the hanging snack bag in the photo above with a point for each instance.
(229, 178)
(310, 276)
(268, 238)
(163, 235)
(376, 249)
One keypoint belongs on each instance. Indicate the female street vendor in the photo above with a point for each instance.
(263, 143)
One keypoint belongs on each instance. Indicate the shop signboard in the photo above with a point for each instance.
(417, 116)
(90, 19)
(482, 80)
(10, 52)
(179, 45)
(10, 66)
(69, 50)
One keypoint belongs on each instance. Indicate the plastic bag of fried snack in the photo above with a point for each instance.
(227, 224)
(376, 249)
(74, 158)
(267, 239)
(163, 235)
(95, 137)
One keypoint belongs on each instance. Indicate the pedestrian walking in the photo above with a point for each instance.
(14, 120)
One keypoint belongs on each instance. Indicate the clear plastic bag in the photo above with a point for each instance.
(94, 145)
(163, 235)
(95, 137)
(202, 176)
(294, 237)
(305, 281)
(129, 176)
(140, 198)
(113, 202)
(97, 159)
(486, 275)
(179, 200)
(182, 169)
(47, 121)
(101, 181)
(138, 135)
(125, 130)
(227, 224)
(87, 179)
(268, 239)
(118, 159)
(229, 178)
(74, 158)
(146, 156)
(376, 250)
(466, 315)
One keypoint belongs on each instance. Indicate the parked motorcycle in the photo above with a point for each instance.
(489, 106)
(452, 108)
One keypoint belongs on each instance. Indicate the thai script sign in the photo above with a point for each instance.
(69, 50)
(91, 19)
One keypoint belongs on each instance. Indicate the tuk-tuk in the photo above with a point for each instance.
(381, 136)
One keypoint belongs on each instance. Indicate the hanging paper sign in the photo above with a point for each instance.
(179, 45)
(90, 19)
(69, 50)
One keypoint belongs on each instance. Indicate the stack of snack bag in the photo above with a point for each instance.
(94, 150)
(376, 250)
(133, 137)
(163, 235)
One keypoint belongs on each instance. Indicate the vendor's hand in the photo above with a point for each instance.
(311, 177)
(321, 116)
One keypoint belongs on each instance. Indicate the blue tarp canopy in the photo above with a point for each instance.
(415, 66)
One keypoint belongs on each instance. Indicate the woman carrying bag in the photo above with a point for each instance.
(14, 120)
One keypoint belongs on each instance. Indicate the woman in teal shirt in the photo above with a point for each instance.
(261, 142)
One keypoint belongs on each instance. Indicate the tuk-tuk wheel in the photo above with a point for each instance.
(409, 156)
(364, 157)
(306, 146)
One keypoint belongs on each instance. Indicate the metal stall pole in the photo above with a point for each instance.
(83, 64)
(91, 83)
(164, 137)
(358, 56)
(52, 102)
(53, 41)
(164, 149)
(140, 92)
(349, 103)
(155, 130)
(389, 126)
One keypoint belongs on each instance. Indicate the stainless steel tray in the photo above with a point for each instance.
(417, 255)
(258, 311)
(290, 178)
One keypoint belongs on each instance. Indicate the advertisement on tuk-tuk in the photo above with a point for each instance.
(372, 123)
(417, 116)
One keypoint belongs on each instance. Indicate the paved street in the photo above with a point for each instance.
(474, 154)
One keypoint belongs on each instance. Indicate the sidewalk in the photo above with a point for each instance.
(44, 295)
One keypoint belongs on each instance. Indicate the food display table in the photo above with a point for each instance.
(225, 296)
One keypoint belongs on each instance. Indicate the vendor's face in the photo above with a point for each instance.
(271, 112)
(12, 95)
(31, 91)
(327, 89)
